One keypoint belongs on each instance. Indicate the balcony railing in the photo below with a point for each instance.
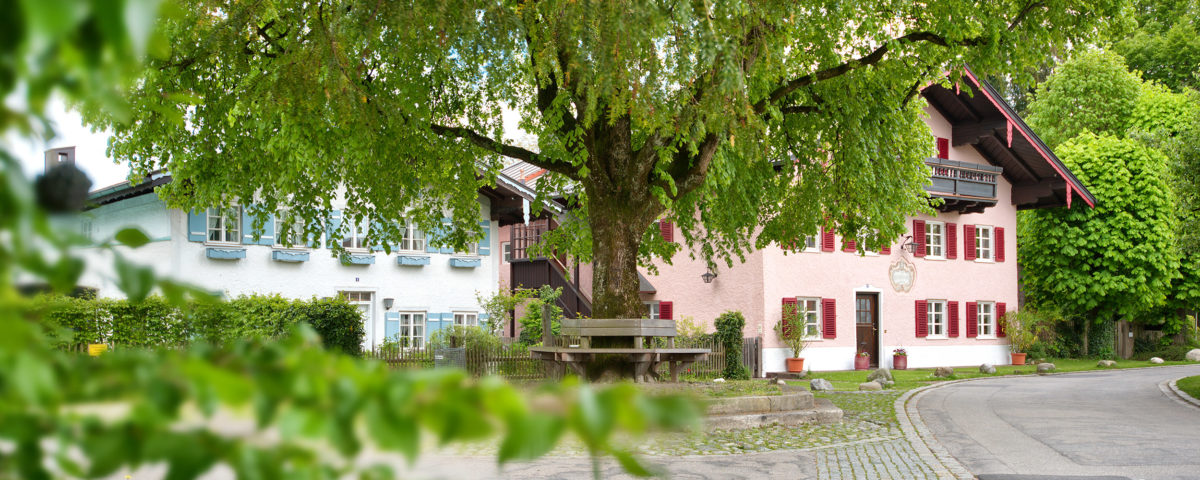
(966, 187)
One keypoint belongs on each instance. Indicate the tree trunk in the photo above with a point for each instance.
(615, 243)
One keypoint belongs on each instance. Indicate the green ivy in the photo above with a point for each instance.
(729, 332)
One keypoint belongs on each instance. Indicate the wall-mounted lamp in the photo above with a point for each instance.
(709, 275)
(387, 303)
(909, 245)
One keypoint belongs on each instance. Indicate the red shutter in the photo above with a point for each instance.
(951, 241)
(886, 250)
(919, 237)
(952, 329)
(828, 318)
(826, 240)
(668, 230)
(666, 310)
(787, 301)
(922, 317)
(849, 245)
(1000, 309)
(943, 145)
(968, 242)
(999, 233)
(972, 320)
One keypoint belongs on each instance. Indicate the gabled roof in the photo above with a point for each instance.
(980, 117)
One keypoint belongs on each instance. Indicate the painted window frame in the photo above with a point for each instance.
(415, 320)
(985, 320)
(506, 250)
(652, 309)
(281, 217)
(466, 318)
(941, 237)
(412, 238)
(472, 250)
(991, 243)
(223, 229)
(812, 317)
(936, 319)
(356, 234)
(812, 244)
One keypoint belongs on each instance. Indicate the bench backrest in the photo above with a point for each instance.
(617, 327)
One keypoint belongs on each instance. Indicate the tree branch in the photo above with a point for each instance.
(504, 149)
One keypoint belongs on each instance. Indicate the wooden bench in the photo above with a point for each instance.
(645, 360)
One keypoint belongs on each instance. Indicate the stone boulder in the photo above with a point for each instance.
(886, 383)
(1156, 360)
(820, 385)
(1045, 368)
(1106, 364)
(987, 369)
(870, 386)
(943, 372)
(880, 375)
(1193, 355)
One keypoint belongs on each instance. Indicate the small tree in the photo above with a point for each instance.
(499, 306)
(1021, 329)
(729, 333)
(790, 329)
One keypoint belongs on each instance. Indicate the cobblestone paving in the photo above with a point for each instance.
(877, 459)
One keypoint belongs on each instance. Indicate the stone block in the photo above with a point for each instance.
(1045, 367)
(870, 386)
(987, 369)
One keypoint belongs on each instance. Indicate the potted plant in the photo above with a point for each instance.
(1019, 327)
(790, 331)
(862, 361)
(900, 359)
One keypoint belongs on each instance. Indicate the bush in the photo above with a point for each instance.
(339, 323)
(466, 336)
(729, 332)
(1172, 353)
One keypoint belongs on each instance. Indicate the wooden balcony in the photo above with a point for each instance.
(532, 270)
(963, 187)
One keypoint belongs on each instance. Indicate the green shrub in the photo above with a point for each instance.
(1175, 353)
(467, 336)
(729, 332)
(531, 322)
(339, 323)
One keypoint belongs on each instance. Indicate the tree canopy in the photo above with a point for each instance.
(1165, 46)
(747, 123)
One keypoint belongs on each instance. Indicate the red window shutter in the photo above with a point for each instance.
(668, 230)
(1000, 309)
(886, 250)
(943, 146)
(788, 302)
(922, 318)
(828, 318)
(849, 246)
(919, 237)
(666, 310)
(968, 242)
(826, 240)
(972, 320)
(999, 233)
(952, 329)
(951, 241)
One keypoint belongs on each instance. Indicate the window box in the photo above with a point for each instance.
(289, 256)
(412, 260)
(465, 262)
(217, 253)
(358, 259)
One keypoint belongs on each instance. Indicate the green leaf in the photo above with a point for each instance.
(132, 237)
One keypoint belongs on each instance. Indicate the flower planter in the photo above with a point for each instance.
(899, 362)
(1018, 358)
(795, 365)
(862, 362)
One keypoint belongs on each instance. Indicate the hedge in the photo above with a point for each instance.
(153, 322)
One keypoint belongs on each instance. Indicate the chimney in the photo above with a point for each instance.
(59, 156)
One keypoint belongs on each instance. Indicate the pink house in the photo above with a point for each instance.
(937, 292)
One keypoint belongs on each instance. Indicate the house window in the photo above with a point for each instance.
(356, 236)
(472, 249)
(362, 301)
(413, 238)
(983, 242)
(810, 310)
(936, 318)
(224, 225)
(289, 231)
(468, 319)
(652, 310)
(412, 330)
(507, 247)
(85, 229)
(810, 243)
(935, 243)
(985, 312)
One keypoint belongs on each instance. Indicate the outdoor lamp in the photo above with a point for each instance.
(909, 245)
(709, 275)
(387, 303)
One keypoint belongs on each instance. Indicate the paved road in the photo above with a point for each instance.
(1114, 424)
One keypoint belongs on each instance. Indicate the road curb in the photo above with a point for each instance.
(1169, 387)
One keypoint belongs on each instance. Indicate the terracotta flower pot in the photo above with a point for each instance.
(862, 362)
(795, 365)
(899, 362)
(1018, 358)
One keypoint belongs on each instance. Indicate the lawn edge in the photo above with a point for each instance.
(1184, 396)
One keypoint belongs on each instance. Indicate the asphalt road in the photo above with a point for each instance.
(1112, 424)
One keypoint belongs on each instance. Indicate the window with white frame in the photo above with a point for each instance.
(412, 329)
(983, 242)
(356, 236)
(413, 238)
(810, 243)
(507, 247)
(935, 239)
(986, 314)
(361, 301)
(470, 319)
(471, 249)
(651, 310)
(224, 225)
(936, 318)
(811, 314)
(861, 240)
(289, 230)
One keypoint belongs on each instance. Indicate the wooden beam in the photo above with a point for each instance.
(1015, 160)
(1032, 193)
(972, 133)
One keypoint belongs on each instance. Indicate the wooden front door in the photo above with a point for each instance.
(866, 323)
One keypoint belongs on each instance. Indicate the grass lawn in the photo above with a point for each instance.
(1190, 386)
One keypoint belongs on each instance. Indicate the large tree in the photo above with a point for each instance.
(746, 122)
